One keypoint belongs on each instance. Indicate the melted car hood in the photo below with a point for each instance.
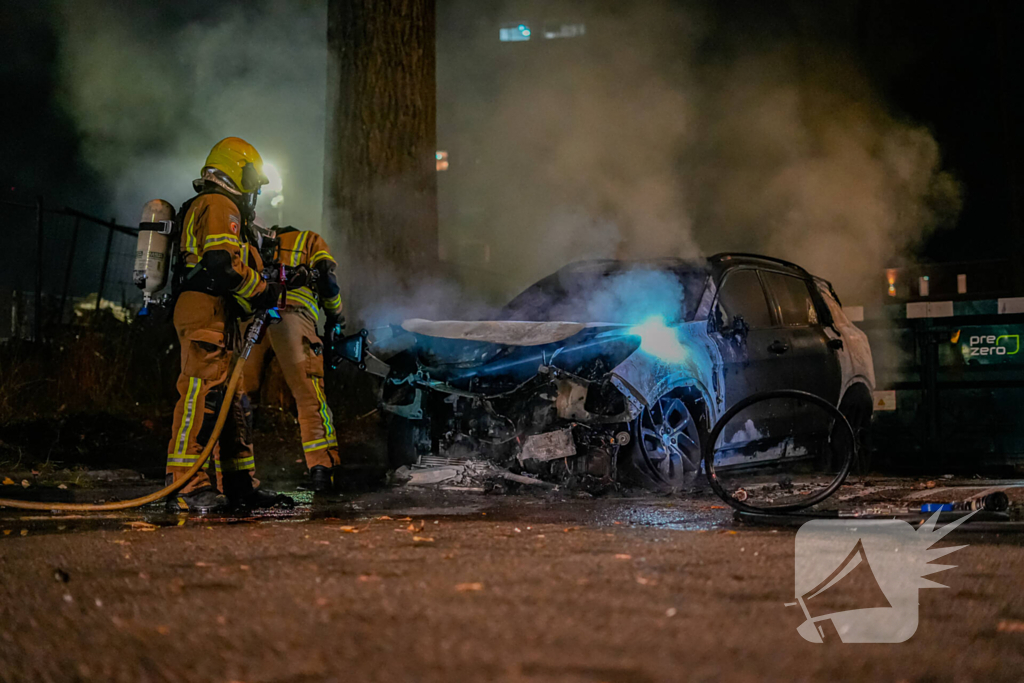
(503, 332)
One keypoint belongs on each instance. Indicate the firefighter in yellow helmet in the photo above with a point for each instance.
(217, 284)
(298, 348)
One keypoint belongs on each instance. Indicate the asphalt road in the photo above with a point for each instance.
(425, 587)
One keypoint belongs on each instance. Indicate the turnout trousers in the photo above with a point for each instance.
(299, 351)
(210, 338)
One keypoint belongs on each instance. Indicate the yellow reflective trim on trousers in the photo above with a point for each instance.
(319, 444)
(182, 459)
(321, 256)
(188, 416)
(325, 414)
(238, 464)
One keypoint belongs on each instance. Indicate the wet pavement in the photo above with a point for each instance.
(422, 585)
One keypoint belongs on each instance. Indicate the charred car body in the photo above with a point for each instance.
(547, 392)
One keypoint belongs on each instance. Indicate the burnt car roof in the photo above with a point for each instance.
(608, 264)
(733, 259)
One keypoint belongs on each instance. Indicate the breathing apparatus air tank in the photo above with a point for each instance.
(153, 252)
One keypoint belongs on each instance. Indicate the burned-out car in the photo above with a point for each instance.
(611, 365)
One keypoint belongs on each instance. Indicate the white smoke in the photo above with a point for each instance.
(664, 132)
(151, 92)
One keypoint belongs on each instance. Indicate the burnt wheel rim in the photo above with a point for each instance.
(669, 437)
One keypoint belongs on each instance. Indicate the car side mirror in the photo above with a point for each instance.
(738, 331)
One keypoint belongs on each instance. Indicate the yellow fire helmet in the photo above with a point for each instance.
(239, 161)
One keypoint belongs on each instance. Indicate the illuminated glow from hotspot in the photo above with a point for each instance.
(276, 183)
(659, 340)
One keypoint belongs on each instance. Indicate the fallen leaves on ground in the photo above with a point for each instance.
(141, 526)
(570, 528)
(466, 587)
(368, 578)
(1010, 626)
(423, 539)
(8, 481)
(384, 518)
(623, 556)
(643, 581)
(349, 529)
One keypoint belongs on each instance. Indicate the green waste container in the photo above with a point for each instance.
(950, 385)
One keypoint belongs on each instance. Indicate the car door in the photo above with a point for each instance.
(806, 358)
(749, 364)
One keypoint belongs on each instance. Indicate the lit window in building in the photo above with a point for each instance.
(557, 29)
(511, 33)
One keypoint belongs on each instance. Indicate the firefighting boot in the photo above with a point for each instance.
(263, 498)
(202, 501)
(241, 494)
(321, 479)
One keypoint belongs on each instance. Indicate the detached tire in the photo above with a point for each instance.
(406, 439)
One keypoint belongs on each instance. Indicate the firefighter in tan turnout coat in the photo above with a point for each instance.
(218, 283)
(298, 348)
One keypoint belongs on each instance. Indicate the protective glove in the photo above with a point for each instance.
(334, 333)
(270, 297)
(298, 276)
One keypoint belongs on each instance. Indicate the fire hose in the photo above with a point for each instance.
(252, 337)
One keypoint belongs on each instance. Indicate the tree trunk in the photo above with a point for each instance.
(380, 178)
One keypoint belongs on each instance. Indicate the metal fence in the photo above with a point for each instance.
(57, 261)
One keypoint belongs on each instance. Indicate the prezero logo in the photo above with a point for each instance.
(992, 345)
(858, 579)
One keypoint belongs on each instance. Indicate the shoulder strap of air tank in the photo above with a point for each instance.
(177, 257)
(179, 218)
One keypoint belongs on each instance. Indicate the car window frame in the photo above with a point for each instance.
(820, 308)
(768, 300)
